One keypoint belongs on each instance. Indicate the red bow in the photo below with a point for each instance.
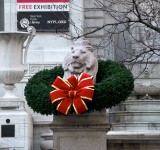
(72, 92)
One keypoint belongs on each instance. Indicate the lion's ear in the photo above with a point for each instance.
(90, 60)
(90, 48)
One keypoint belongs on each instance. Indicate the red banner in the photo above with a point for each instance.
(41, 1)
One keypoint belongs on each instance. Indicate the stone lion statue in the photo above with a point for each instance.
(80, 59)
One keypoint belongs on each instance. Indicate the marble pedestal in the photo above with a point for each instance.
(16, 125)
(80, 132)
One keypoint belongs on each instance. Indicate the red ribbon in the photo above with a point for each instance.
(72, 92)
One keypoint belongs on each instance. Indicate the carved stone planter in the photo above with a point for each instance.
(12, 67)
(85, 131)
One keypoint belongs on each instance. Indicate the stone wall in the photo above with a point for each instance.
(94, 19)
(2, 15)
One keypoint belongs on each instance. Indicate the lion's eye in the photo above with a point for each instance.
(73, 51)
(82, 51)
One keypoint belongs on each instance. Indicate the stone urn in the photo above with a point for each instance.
(47, 143)
(13, 59)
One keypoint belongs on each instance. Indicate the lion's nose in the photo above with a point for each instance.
(75, 56)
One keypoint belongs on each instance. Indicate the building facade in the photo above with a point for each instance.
(131, 126)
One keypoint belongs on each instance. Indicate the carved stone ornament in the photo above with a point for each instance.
(12, 68)
(80, 59)
(143, 89)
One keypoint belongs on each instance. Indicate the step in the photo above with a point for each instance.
(134, 116)
(140, 105)
(136, 126)
(133, 135)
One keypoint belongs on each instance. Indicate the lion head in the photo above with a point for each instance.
(80, 59)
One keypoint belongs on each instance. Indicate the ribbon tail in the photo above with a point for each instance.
(64, 106)
(79, 105)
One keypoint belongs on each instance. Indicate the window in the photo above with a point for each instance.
(8, 131)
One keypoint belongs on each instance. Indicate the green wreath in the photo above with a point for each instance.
(114, 84)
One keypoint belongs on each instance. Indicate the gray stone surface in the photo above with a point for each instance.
(134, 145)
(80, 132)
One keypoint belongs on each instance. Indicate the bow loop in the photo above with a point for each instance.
(72, 81)
(59, 83)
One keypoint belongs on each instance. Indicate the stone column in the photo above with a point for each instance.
(77, 17)
(85, 131)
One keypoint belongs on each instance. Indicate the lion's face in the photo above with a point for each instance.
(80, 59)
(79, 56)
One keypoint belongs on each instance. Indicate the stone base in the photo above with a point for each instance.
(86, 131)
(16, 130)
(133, 140)
(133, 135)
(133, 145)
(79, 140)
(13, 104)
(135, 126)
